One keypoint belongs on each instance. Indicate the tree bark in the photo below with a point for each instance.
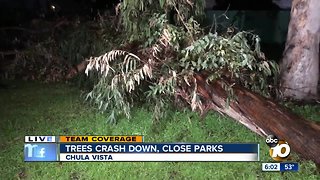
(262, 116)
(300, 63)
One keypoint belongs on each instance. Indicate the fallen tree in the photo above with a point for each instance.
(263, 116)
(226, 73)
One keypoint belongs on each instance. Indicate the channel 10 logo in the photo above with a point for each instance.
(279, 149)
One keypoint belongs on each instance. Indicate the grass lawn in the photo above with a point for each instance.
(57, 109)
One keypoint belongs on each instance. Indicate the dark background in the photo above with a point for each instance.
(15, 12)
(21, 13)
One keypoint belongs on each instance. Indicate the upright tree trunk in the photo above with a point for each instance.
(300, 64)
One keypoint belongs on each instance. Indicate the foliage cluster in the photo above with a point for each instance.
(49, 54)
(154, 50)
(135, 15)
(169, 57)
(38, 61)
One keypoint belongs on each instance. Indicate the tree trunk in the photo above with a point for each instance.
(300, 64)
(75, 70)
(262, 116)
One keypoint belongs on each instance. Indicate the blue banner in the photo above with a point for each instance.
(289, 166)
(157, 148)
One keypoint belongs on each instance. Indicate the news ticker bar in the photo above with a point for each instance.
(106, 151)
(280, 167)
(76, 139)
(157, 148)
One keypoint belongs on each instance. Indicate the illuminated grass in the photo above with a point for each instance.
(38, 109)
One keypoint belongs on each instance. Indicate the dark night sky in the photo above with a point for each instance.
(20, 12)
(16, 11)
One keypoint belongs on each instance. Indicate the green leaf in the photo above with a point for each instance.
(111, 119)
(204, 65)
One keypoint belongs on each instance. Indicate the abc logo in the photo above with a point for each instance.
(279, 149)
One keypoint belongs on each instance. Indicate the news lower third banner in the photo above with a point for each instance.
(132, 148)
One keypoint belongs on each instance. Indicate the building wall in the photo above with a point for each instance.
(271, 26)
